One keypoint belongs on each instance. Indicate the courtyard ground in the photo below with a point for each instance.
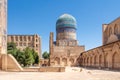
(70, 74)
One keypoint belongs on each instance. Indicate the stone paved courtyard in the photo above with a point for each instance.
(70, 74)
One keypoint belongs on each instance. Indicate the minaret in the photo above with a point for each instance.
(51, 43)
(50, 47)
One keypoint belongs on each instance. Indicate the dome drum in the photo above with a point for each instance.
(66, 30)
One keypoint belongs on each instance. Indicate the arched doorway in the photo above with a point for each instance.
(71, 61)
(106, 60)
(116, 61)
(90, 61)
(64, 62)
(77, 62)
(57, 61)
(83, 62)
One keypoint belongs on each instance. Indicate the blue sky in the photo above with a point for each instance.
(39, 17)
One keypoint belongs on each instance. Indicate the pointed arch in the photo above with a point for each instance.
(71, 60)
(57, 61)
(90, 61)
(110, 31)
(107, 58)
(64, 61)
(87, 61)
(116, 61)
(115, 48)
(115, 29)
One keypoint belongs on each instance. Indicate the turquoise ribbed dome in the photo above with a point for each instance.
(66, 20)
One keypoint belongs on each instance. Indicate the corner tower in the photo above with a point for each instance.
(66, 31)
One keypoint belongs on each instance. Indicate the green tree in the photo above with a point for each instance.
(45, 55)
(26, 57)
(11, 48)
(29, 59)
(20, 57)
(35, 56)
